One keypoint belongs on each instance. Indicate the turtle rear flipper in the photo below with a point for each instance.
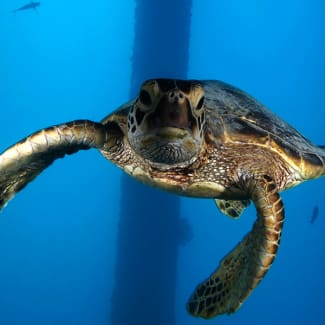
(243, 268)
(232, 208)
(22, 162)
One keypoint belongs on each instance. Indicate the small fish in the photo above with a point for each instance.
(31, 5)
(314, 216)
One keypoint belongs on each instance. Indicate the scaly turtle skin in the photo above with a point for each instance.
(194, 138)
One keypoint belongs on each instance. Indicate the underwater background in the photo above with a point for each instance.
(83, 244)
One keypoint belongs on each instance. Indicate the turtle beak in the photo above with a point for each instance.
(173, 110)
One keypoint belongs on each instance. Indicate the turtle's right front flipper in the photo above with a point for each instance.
(22, 162)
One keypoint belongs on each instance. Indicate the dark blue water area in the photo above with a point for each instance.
(58, 237)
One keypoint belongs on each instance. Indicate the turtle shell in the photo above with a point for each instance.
(235, 116)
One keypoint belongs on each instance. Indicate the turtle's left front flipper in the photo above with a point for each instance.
(243, 268)
(22, 162)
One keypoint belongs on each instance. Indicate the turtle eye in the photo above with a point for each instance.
(200, 103)
(144, 97)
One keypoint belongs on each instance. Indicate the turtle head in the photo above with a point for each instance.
(165, 124)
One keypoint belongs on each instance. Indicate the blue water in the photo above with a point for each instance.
(58, 237)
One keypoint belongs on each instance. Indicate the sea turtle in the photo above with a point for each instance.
(202, 139)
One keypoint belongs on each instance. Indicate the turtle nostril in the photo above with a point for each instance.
(175, 96)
